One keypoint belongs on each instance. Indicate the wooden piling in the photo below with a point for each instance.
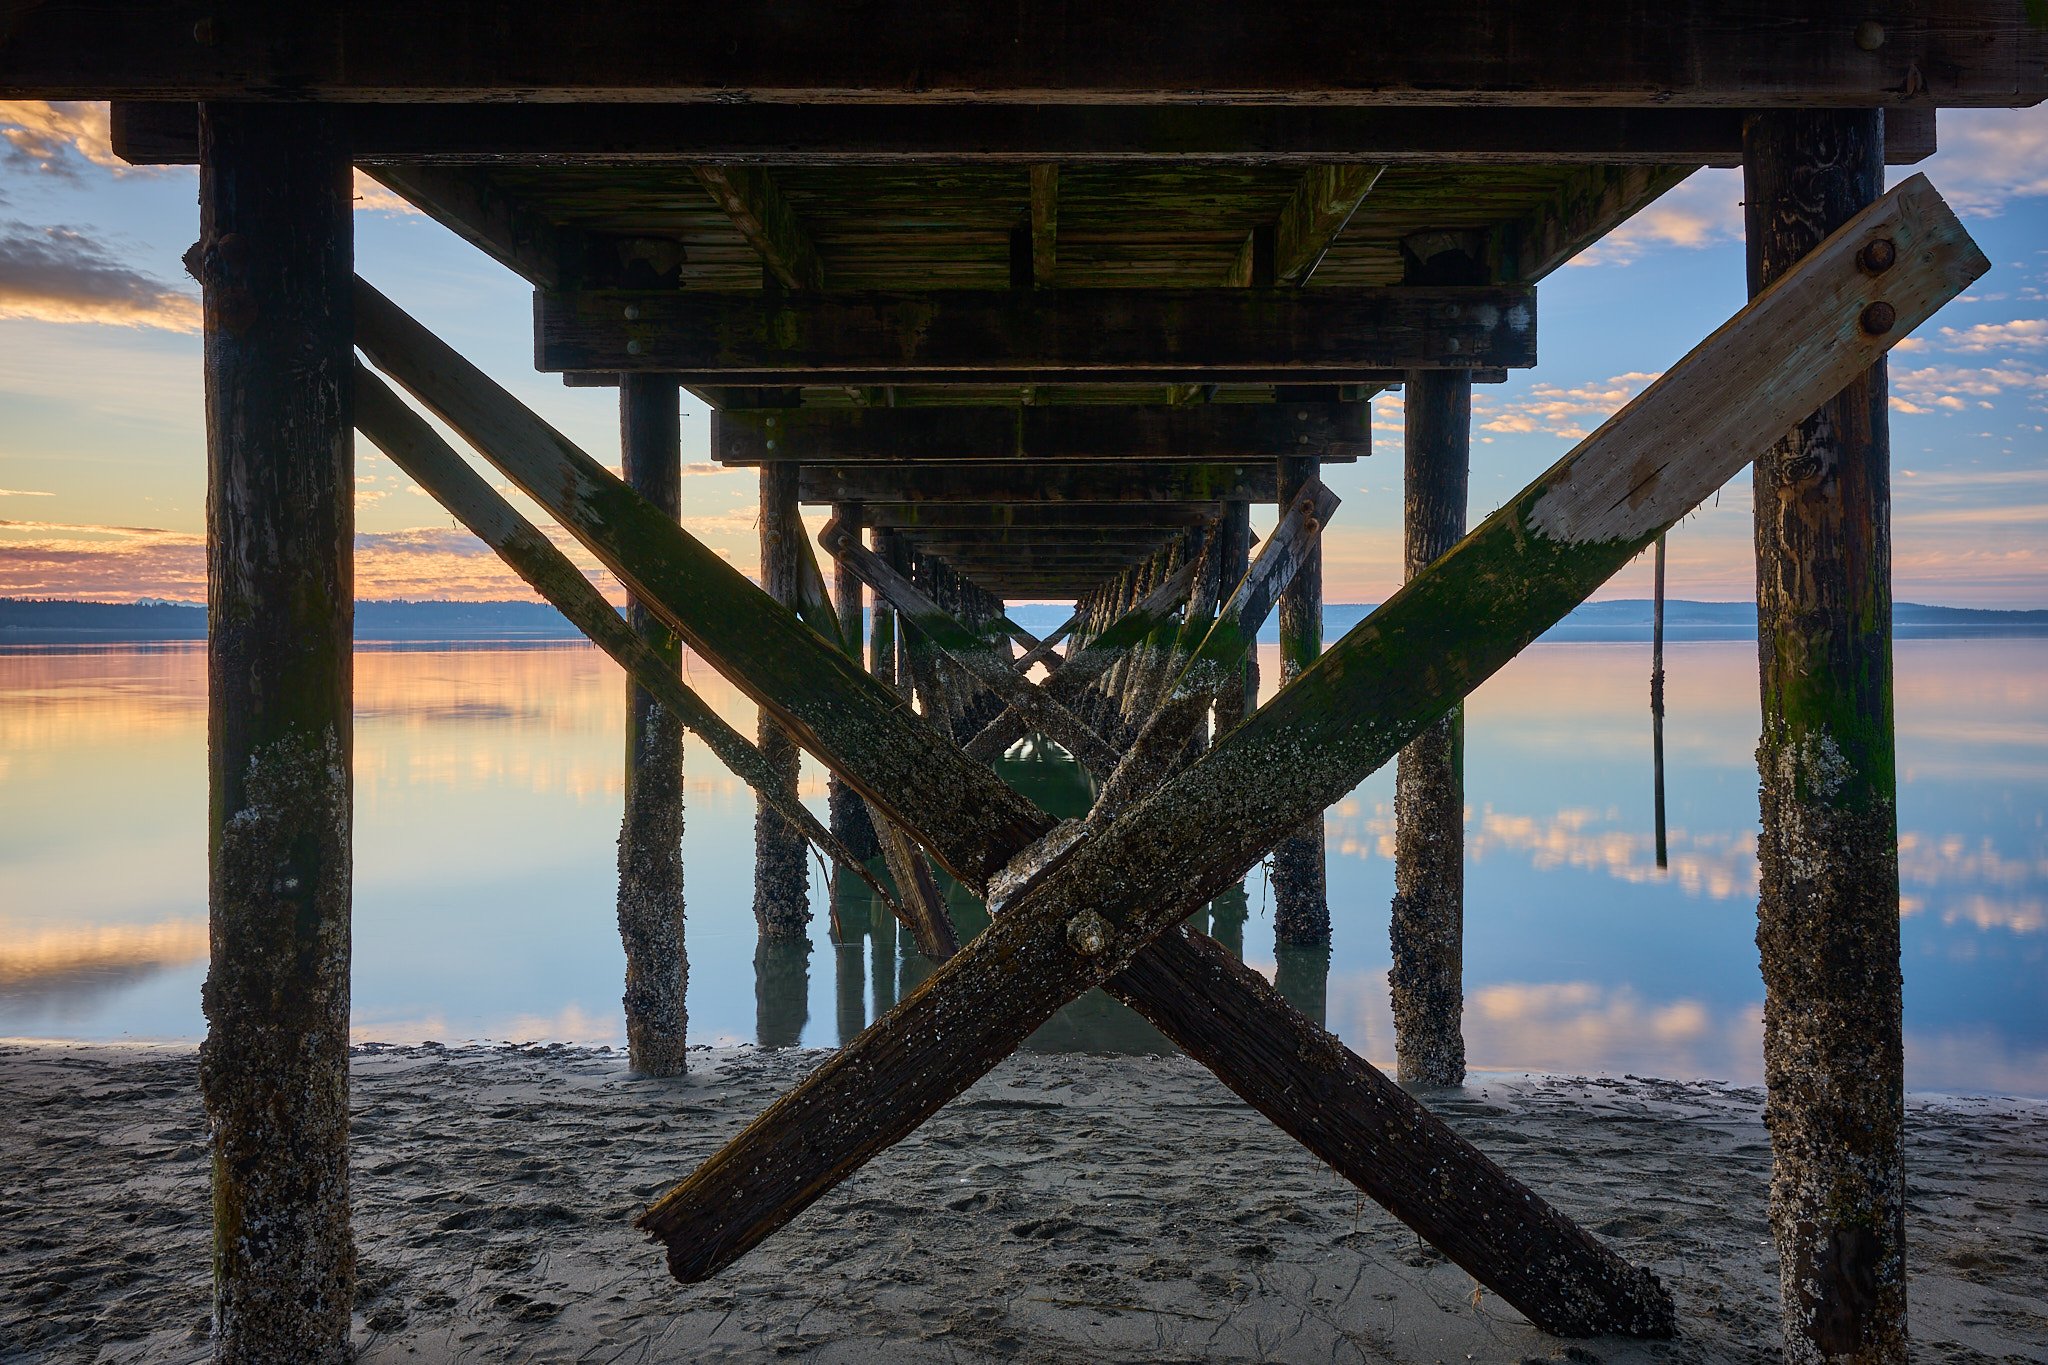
(274, 255)
(882, 623)
(849, 814)
(651, 830)
(782, 874)
(1301, 902)
(1828, 901)
(1426, 929)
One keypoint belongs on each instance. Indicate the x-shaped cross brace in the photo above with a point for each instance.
(1107, 913)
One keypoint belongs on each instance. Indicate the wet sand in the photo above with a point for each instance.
(1068, 1208)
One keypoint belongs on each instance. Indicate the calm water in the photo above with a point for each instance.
(487, 804)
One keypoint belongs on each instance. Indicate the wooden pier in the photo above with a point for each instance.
(1039, 300)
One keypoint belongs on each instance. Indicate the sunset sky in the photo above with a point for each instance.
(102, 470)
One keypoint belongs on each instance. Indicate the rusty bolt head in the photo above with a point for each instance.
(206, 32)
(1879, 318)
(1088, 934)
(632, 312)
(633, 348)
(1870, 35)
(1878, 255)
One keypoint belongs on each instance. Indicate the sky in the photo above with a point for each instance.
(102, 440)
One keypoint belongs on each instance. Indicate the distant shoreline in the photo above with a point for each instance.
(42, 622)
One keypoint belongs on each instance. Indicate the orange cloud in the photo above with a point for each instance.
(52, 138)
(58, 274)
(1570, 413)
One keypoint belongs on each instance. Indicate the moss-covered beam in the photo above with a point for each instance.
(1020, 486)
(764, 216)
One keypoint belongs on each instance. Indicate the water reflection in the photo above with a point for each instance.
(487, 795)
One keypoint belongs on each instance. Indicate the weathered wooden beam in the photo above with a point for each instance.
(1205, 434)
(757, 207)
(970, 651)
(1045, 224)
(475, 207)
(782, 873)
(769, 654)
(1443, 634)
(850, 819)
(418, 450)
(1002, 335)
(1050, 484)
(1025, 539)
(1750, 54)
(937, 516)
(166, 133)
(1046, 650)
(1827, 849)
(274, 260)
(650, 897)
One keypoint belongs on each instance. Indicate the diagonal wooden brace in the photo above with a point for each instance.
(644, 556)
(969, 650)
(644, 547)
(1044, 651)
(418, 449)
(1826, 321)
(1086, 664)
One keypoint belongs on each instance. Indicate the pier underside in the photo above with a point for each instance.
(1041, 304)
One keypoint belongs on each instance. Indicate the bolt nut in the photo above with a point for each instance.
(1870, 35)
(206, 32)
(1088, 934)
(633, 348)
(1879, 318)
(1878, 255)
(632, 312)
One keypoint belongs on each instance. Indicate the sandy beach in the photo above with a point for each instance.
(1068, 1208)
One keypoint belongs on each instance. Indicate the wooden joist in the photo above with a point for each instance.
(1445, 632)
(1094, 482)
(1045, 224)
(1316, 212)
(1208, 434)
(968, 336)
(758, 208)
(1750, 54)
(935, 516)
(159, 134)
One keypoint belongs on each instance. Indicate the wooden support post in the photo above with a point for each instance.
(1238, 697)
(651, 832)
(782, 991)
(882, 627)
(1427, 925)
(782, 874)
(849, 813)
(274, 255)
(1828, 900)
(1301, 901)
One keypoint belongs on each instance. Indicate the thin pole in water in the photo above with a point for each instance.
(1657, 701)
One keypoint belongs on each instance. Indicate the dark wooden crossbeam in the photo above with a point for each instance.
(970, 336)
(1093, 482)
(932, 516)
(160, 134)
(758, 208)
(1334, 432)
(1089, 917)
(998, 539)
(1748, 54)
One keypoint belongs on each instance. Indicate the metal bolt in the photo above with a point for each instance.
(1301, 415)
(1879, 318)
(1302, 439)
(1878, 255)
(632, 312)
(771, 445)
(206, 33)
(771, 421)
(1088, 934)
(632, 348)
(1870, 35)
